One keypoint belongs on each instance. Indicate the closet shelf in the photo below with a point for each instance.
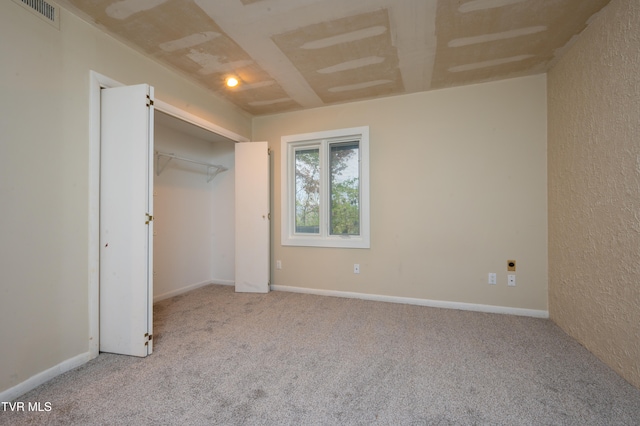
(212, 169)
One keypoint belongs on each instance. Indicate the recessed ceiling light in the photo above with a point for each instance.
(232, 82)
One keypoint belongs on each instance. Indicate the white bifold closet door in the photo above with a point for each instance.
(252, 217)
(126, 227)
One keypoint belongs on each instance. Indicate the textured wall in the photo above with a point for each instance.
(594, 189)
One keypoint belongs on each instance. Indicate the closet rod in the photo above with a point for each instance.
(212, 169)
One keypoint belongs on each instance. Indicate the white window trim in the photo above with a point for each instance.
(289, 238)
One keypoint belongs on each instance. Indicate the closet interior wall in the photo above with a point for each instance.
(194, 221)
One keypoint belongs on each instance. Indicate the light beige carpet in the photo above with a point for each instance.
(223, 358)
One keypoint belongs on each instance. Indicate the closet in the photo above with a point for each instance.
(193, 201)
(181, 205)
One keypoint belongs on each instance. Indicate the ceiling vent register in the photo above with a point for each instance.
(45, 10)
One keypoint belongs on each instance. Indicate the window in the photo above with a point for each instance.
(325, 189)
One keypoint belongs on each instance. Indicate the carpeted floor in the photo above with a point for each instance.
(223, 358)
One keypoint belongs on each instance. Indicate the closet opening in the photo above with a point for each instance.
(186, 216)
(193, 202)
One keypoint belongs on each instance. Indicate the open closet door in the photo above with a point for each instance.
(252, 217)
(126, 227)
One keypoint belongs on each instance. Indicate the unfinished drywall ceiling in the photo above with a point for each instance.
(295, 54)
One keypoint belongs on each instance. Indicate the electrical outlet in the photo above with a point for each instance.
(511, 280)
(492, 278)
(278, 264)
(356, 268)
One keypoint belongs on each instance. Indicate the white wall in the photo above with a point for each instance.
(458, 187)
(44, 180)
(594, 181)
(194, 241)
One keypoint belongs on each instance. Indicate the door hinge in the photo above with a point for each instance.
(269, 216)
(149, 218)
(147, 338)
(268, 151)
(149, 101)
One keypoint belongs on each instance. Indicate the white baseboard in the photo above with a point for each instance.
(420, 302)
(181, 290)
(44, 376)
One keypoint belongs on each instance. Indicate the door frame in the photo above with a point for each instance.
(97, 82)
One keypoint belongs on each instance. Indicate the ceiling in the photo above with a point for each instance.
(297, 54)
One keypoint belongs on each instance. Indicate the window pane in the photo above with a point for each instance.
(344, 162)
(307, 189)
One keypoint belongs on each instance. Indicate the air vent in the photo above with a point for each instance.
(45, 10)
